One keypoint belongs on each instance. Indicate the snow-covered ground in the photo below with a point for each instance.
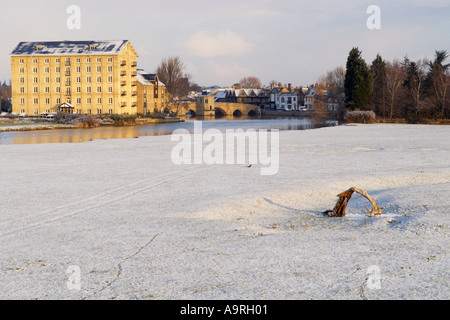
(139, 227)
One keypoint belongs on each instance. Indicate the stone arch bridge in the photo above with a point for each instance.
(215, 109)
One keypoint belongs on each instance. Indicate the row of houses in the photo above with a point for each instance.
(277, 97)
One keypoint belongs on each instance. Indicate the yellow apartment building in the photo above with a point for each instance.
(85, 77)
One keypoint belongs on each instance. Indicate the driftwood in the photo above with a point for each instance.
(344, 198)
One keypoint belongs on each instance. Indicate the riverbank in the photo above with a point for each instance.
(36, 124)
(138, 226)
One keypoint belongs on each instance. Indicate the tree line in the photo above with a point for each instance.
(411, 90)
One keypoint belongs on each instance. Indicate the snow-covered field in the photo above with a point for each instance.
(139, 227)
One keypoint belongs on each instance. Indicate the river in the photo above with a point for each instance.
(84, 135)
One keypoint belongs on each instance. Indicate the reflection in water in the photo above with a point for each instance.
(84, 135)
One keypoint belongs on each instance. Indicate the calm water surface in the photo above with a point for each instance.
(84, 135)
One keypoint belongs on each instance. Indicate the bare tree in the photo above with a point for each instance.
(395, 76)
(250, 82)
(171, 73)
(178, 83)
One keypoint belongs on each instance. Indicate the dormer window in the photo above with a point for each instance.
(92, 47)
(38, 48)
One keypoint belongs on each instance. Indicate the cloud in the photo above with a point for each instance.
(227, 43)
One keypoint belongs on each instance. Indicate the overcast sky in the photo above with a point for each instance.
(290, 41)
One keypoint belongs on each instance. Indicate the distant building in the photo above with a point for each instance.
(97, 77)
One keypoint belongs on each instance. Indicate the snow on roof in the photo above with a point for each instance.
(62, 48)
(148, 79)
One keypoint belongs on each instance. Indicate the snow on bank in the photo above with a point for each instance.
(140, 227)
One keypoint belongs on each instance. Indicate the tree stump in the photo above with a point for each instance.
(344, 198)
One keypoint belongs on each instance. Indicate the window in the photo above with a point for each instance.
(99, 89)
(88, 79)
(78, 89)
(47, 89)
(99, 60)
(35, 70)
(47, 70)
(22, 90)
(78, 69)
(88, 89)
(110, 79)
(47, 100)
(58, 60)
(22, 80)
(110, 89)
(88, 69)
(35, 80)
(88, 60)
(67, 81)
(35, 90)
(22, 70)
(68, 92)
(22, 110)
(88, 101)
(99, 111)
(36, 101)
(58, 69)
(110, 111)
(47, 60)
(47, 80)
(21, 61)
(110, 60)
(89, 111)
(22, 101)
(58, 80)
(58, 100)
(68, 71)
(58, 89)
(78, 100)
(110, 100)
(109, 68)
(78, 79)
(99, 100)
(78, 60)
(36, 112)
(99, 69)
(35, 61)
(99, 79)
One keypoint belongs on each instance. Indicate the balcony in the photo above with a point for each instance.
(134, 104)
(123, 104)
(67, 83)
(123, 83)
(134, 64)
(134, 84)
(68, 63)
(123, 63)
(123, 93)
(123, 73)
(68, 73)
(134, 74)
(134, 93)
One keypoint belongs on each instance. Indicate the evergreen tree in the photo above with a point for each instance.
(358, 81)
(378, 96)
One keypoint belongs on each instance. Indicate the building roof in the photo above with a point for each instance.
(66, 48)
(148, 79)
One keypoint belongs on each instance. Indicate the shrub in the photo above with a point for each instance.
(358, 116)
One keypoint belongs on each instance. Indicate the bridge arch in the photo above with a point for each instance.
(220, 112)
(237, 113)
